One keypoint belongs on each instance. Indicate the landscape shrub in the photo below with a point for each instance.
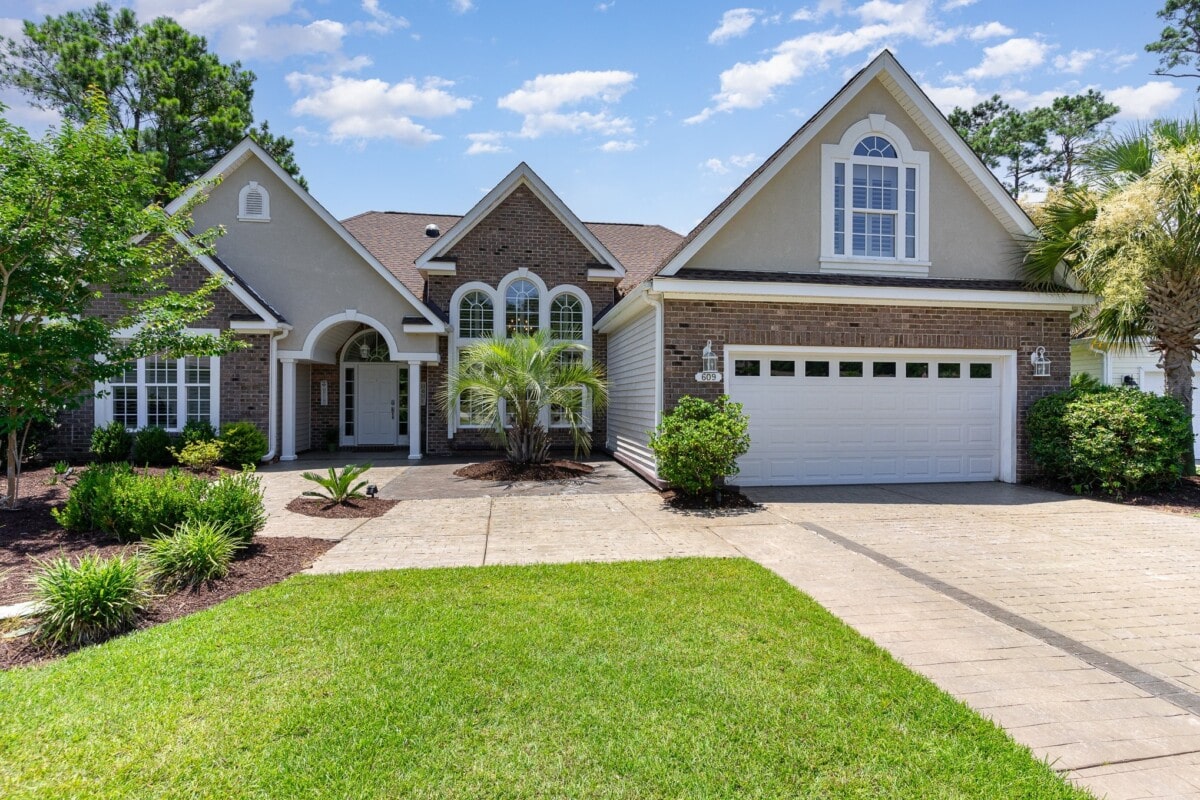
(242, 443)
(195, 553)
(197, 430)
(91, 492)
(111, 442)
(1112, 439)
(89, 601)
(152, 446)
(234, 502)
(200, 455)
(698, 443)
(340, 487)
(140, 505)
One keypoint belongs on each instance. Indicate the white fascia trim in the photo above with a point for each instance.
(906, 268)
(977, 175)
(439, 267)
(413, 327)
(604, 275)
(743, 349)
(522, 174)
(682, 289)
(627, 306)
(230, 284)
(249, 147)
(250, 326)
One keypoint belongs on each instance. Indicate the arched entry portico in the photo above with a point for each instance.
(372, 382)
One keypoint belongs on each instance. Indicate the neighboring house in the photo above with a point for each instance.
(859, 291)
(1115, 366)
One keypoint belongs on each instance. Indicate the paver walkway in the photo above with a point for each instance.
(1074, 624)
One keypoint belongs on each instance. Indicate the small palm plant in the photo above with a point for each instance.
(504, 384)
(339, 487)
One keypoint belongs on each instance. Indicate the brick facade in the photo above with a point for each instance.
(688, 324)
(243, 379)
(521, 232)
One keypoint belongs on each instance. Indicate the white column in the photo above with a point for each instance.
(288, 450)
(414, 409)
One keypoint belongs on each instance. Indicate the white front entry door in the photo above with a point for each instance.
(870, 417)
(378, 404)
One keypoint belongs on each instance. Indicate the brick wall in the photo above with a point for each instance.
(244, 373)
(322, 418)
(688, 324)
(519, 233)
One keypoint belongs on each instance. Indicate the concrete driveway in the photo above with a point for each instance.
(1074, 624)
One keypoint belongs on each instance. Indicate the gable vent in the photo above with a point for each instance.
(254, 203)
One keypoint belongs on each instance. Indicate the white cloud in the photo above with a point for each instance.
(1014, 56)
(715, 166)
(734, 23)
(486, 142)
(989, 30)
(619, 146)
(462, 6)
(274, 42)
(743, 161)
(1076, 61)
(370, 108)
(11, 28)
(821, 9)
(605, 6)
(951, 5)
(543, 102)
(1146, 101)
(947, 98)
(381, 21)
(751, 84)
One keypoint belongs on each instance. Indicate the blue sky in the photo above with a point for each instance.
(632, 110)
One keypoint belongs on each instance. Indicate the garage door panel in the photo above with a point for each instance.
(866, 429)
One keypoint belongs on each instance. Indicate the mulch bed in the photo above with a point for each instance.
(354, 509)
(731, 498)
(30, 531)
(1183, 498)
(559, 469)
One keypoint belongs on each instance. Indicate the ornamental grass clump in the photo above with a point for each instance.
(339, 487)
(194, 554)
(234, 502)
(87, 602)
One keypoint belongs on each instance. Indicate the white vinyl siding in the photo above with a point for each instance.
(1085, 361)
(632, 369)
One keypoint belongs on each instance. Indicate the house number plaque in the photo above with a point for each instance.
(708, 361)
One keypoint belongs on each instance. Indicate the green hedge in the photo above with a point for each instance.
(1114, 440)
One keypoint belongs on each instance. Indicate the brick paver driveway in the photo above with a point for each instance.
(1073, 623)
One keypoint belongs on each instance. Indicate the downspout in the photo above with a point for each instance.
(654, 300)
(273, 393)
(1105, 367)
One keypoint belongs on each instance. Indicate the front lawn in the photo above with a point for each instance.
(687, 678)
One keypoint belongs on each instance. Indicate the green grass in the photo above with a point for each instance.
(685, 679)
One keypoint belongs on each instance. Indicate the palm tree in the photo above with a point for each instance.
(1130, 235)
(504, 385)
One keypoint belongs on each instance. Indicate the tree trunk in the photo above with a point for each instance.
(528, 444)
(13, 470)
(1174, 319)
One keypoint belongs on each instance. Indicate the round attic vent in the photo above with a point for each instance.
(433, 231)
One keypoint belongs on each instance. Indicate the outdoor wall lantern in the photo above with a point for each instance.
(708, 366)
(1041, 364)
(364, 350)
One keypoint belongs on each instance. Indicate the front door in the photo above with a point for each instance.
(378, 404)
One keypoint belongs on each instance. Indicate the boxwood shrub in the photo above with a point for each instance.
(242, 443)
(698, 443)
(152, 446)
(111, 442)
(1113, 440)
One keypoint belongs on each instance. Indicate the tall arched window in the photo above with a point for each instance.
(475, 316)
(875, 201)
(566, 318)
(521, 308)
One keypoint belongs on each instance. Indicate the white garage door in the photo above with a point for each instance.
(869, 417)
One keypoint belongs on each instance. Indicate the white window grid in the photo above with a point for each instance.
(163, 392)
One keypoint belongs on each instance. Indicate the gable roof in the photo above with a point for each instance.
(522, 175)
(246, 294)
(247, 149)
(398, 239)
(920, 108)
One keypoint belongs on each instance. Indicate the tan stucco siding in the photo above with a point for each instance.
(298, 263)
(780, 228)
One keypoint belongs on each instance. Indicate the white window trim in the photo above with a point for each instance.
(265, 216)
(104, 404)
(586, 341)
(499, 329)
(836, 263)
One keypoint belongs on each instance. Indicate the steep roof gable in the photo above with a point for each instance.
(247, 149)
(920, 109)
(523, 175)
